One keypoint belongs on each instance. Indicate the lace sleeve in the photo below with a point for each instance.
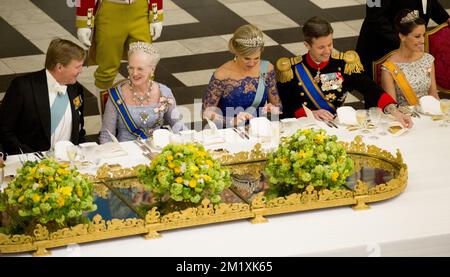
(109, 122)
(211, 100)
(271, 84)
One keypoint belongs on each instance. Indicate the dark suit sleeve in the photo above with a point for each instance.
(379, 24)
(82, 133)
(288, 100)
(12, 109)
(438, 13)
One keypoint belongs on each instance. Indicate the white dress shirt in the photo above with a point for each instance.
(424, 6)
(64, 129)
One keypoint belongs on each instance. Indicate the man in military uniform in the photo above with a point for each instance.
(321, 80)
(116, 23)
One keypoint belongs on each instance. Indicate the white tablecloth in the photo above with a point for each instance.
(415, 223)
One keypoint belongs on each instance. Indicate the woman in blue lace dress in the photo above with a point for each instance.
(139, 105)
(244, 87)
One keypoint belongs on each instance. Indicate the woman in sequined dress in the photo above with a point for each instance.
(409, 73)
(138, 106)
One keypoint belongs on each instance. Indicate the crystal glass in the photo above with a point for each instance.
(361, 118)
(383, 124)
(72, 152)
(445, 108)
(374, 116)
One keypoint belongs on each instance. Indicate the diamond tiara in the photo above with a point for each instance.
(142, 46)
(410, 17)
(251, 42)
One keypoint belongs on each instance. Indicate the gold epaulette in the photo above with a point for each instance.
(352, 62)
(283, 69)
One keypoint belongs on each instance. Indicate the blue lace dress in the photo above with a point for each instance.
(156, 115)
(232, 96)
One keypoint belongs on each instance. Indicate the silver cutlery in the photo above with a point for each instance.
(237, 132)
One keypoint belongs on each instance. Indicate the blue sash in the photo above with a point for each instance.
(57, 110)
(125, 114)
(263, 67)
(311, 89)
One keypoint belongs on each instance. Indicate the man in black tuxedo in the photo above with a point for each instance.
(378, 35)
(44, 107)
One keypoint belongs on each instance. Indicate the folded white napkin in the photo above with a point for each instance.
(208, 137)
(261, 127)
(310, 120)
(212, 126)
(346, 115)
(61, 148)
(188, 136)
(161, 138)
(111, 150)
(430, 105)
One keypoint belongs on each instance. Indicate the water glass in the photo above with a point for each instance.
(374, 116)
(361, 118)
(445, 108)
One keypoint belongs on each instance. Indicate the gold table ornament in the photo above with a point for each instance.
(111, 178)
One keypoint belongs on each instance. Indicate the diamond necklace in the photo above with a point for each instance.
(141, 99)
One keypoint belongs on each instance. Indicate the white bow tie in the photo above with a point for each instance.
(61, 90)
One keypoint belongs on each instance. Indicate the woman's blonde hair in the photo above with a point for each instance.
(246, 40)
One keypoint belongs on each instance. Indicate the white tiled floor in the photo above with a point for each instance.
(178, 16)
(342, 30)
(245, 9)
(354, 24)
(4, 69)
(27, 16)
(205, 44)
(42, 30)
(24, 63)
(271, 21)
(296, 48)
(168, 49)
(327, 4)
(195, 78)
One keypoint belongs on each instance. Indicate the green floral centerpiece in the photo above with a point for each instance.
(185, 172)
(308, 157)
(49, 193)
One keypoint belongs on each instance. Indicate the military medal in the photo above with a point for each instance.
(317, 77)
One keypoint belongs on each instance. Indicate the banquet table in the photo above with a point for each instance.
(415, 223)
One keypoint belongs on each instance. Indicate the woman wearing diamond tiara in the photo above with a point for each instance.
(409, 73)
(244, 87)
(139, 105)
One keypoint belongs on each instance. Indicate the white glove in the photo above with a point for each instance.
(155, 30)
(84, 35)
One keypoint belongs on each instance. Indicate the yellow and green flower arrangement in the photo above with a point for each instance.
(185, 172)
(48, 192)
(308, 157)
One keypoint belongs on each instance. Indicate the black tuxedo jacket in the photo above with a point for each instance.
(25, 114)
(378, 35)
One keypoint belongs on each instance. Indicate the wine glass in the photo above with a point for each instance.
(383, 124)
(72, 152)
(361, 118)
(445, 108)
(375, 116)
